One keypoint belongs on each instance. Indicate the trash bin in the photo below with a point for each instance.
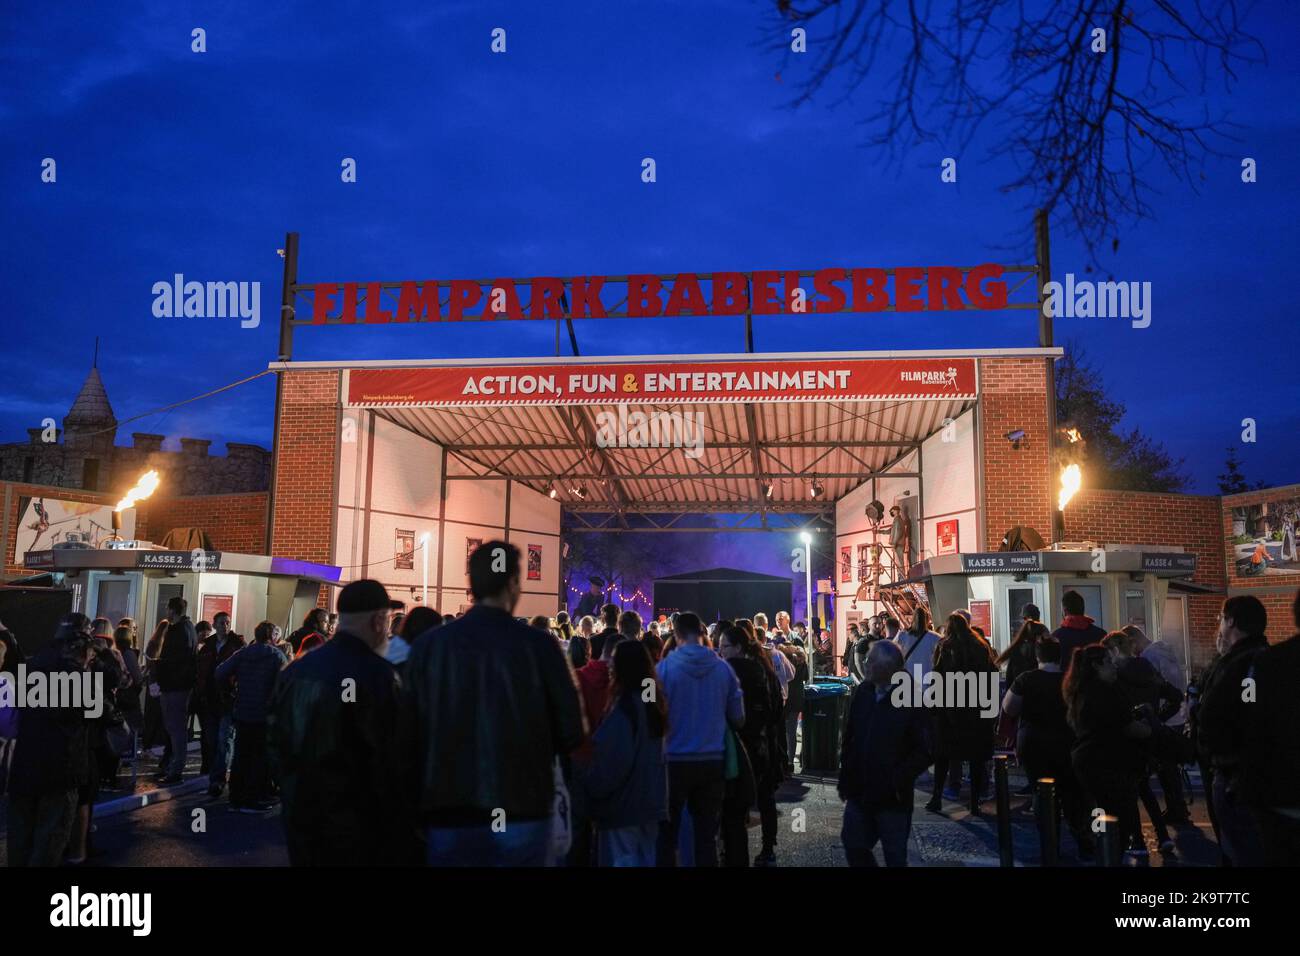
(826, 706)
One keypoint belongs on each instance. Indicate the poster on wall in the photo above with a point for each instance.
(864, 562)
(534, 562)
(1264, 537)
(981, 616)
(404, 550)
(946, 537)
(471, 545)
(846, 563)
(213, 604)
(46, 523)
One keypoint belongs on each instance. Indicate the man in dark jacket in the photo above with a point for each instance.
(608, 631)
(1077, 629)
(885, 748)
(254, 670)
(1271, 773)
(51, 760)
(340, 746)
(176, 670)
(494, 704)
(1224, 722)
(215, 699)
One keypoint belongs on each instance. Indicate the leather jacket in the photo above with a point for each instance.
(343, 762)
(494, 702)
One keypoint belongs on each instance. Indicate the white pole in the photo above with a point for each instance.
(424, 546)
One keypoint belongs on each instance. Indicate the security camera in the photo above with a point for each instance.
(1017, 436)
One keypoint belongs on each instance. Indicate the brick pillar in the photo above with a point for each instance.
(1018, 486)
(306, 453)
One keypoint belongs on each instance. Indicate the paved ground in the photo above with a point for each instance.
(955, 838)
(196, 830)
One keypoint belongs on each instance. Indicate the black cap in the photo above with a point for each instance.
(362, 596)
(599, 582)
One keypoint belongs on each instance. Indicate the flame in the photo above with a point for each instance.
(1073, 435)
(1071, 479)
(146, 486)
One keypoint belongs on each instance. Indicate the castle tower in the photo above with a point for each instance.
(90, 428)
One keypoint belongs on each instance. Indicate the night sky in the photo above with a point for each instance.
(528, 163)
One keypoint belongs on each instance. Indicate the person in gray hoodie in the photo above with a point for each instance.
(704, 697)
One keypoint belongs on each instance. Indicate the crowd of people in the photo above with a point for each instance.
(1100, 714)
(389, 737)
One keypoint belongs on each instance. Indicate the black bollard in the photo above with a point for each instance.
(1004, 809)
(1049, 828)
(1110, 841)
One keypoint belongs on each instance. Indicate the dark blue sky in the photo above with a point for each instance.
(528, 163)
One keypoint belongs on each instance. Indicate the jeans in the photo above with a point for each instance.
(521, 843)
(250, 771)
(628, 846)
(39, 827)
(864, 827)
(699, 785)
(791, 734)
(223, 742)
(176, 721)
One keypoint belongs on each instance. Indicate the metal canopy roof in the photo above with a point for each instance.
(747, 445)
(839, 444)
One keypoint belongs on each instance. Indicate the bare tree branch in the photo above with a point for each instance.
(1091, 135)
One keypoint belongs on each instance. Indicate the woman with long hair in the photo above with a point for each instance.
(962, 732)
(1020, 658)
(564, 626)
(1107, 754)
(626, 783)
(579, 651)
(761, 738)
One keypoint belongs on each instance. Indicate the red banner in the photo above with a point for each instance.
(775, 380)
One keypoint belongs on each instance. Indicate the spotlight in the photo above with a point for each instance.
(552, 491)
(805, 537)
(875, 511)
(768, 490)
(816, 490)
(579, 492)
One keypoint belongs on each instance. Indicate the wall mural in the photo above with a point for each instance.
(1264, 537)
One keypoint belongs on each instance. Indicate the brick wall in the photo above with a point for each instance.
(1277, 592)
(233, 522)
(1189, 521)
(306, 453)
(1018, 486)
